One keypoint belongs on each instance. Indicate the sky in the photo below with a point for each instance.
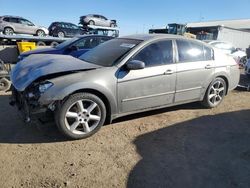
(133, 16)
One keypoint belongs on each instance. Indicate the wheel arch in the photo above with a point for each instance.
(9, 27)
(106, 100)
(102, 97)
(226, 80)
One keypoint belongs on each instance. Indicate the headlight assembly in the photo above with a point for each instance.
(45, 86)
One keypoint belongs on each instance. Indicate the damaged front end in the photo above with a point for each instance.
(27, 101)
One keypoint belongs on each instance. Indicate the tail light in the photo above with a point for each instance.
(237, 60)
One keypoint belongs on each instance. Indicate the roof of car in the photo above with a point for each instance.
(148, 37)
(151, 36)
(63, 22)
(12, 16)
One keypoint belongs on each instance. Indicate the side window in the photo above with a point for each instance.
(189, 51)
(159, 53)
(13, 20)
(208, 53)
(6, 19)
(87, 43)
(25, 22)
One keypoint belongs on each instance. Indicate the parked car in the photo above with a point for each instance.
(247, 69)
(10, 25)
(74, 47)
(239, 55)
(120, 77)
(64, 29)
(98, 20)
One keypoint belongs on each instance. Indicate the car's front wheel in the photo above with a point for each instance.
(81, 115)
(91, 22)
(40, 33)
(215, 93)
(60, 34)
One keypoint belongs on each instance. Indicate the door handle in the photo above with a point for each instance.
(208, 66)
(169, 72)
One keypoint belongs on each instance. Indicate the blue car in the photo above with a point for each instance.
(74, 47)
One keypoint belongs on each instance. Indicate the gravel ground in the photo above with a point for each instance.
(183, 146)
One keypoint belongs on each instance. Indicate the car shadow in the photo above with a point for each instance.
(190, 106)
(14, 130)
(209, 152)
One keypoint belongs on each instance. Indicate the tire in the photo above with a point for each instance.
(8, 31)
(78, 121)
(4, 84)
(91, 22)
(61, 34)
(40, 33)
(54, 44)
(215, 93)
(41, 43)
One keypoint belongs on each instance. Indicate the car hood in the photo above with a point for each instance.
(40, 65)
(38, 51)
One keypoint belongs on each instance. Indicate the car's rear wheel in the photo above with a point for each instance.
(81, 115)
(215, 93)
(91, 22)
(8, 31)
(40, 33)
(61, 34)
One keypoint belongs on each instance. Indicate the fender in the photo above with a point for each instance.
(59, 94)
(217, 73)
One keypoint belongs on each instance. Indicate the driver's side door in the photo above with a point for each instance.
(152, 86)
(27, 27)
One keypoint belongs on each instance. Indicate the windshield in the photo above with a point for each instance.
(66, 43)
(110, 52)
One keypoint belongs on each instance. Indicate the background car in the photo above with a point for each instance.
(10, 25)
(239, 55)
(98, 20)
(120, 77)
(64, 29)
(74, 47)
(247, 69)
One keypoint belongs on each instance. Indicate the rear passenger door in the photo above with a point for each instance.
(14, 23)
(194, 70)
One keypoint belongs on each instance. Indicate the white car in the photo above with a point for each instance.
(228, 48)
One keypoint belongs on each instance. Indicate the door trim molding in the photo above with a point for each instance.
(148, 96)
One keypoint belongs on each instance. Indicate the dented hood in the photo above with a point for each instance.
(36, 66)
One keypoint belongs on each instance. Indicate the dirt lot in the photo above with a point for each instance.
(185, 146)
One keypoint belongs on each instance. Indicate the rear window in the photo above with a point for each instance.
(191, 51)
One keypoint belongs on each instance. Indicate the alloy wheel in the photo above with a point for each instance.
(216, 92)
(60, 34)
(40, 33)
(8, 31)
(82, 117)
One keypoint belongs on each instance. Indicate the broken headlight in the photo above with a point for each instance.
(44, 86)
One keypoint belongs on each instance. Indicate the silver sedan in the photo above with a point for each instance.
(122, 76)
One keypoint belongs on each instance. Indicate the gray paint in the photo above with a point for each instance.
(36, 66)
(131, 91)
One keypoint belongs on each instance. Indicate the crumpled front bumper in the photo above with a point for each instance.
(28, 109)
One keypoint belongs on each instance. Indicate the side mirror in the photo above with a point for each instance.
(135, 65)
